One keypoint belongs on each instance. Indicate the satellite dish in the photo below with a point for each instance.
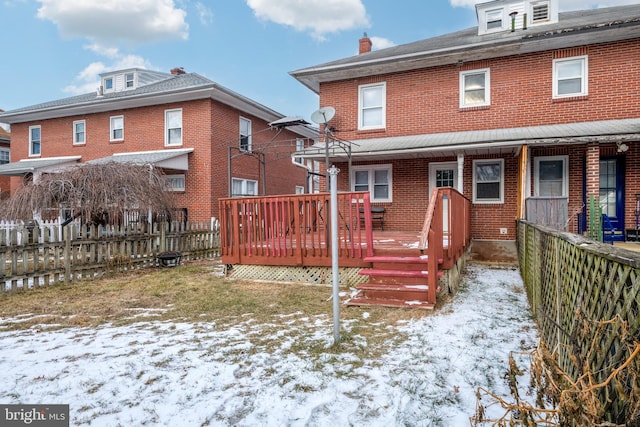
(323, 115)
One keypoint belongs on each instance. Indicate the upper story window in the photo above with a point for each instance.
(372, 106)
(4, 156)
(117, 128)
(376, 179)
(299, 147)
(79, 132)
(475, 88)
(494, 20)
(108, 83)
(173, 127)
(488, 181)
(570, 77)
(128, 80)
(245, 134)
(551, 176)
(35, 140)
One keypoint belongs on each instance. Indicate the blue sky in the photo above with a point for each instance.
(57, 48)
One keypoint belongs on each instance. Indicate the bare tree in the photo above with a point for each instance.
(93, 191)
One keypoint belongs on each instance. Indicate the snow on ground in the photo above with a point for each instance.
(185, 374)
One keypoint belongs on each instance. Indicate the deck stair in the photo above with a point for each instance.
(395, 281)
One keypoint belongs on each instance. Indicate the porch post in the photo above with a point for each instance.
(593, 177)
(460, 173)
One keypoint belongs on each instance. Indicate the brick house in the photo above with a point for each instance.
(211, 142)
(530, 109)
(5, 157)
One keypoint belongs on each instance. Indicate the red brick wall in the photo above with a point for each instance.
(427, 101)
(208, 127)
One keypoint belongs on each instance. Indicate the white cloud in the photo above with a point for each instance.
(320, 17)
(131, 21)
(381, 43)
(204, 13)
(565, 5)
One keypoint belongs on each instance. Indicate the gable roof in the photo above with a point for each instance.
(599, 25)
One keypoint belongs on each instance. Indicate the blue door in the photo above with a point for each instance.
(612, 190)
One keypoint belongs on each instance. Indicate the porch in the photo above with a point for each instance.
(403, 267)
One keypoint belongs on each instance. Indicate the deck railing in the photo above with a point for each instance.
(295, 229)
(446, 232)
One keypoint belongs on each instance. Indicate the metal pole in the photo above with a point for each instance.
(333, 173)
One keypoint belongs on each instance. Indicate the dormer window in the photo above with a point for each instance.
(128, 78)
(539, 12)
(108, 83)
(494, 20)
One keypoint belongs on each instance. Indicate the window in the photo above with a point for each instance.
(175, 182)
(79, 135)
(173, 127)
(128, 80)
(539, 11)
(551, 177)
(570, 77)
(299, 147)
(4, 156)
(35, 140)
(243, 187)
(245, 134)
(488, 179)
(299, 189)
(376, 179)
(108, 83)
(493, 19)
(371, 106)
(474, 88)
(117, 128)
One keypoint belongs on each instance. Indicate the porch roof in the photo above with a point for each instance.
(25, 166)
(478, 142)
(169, 159)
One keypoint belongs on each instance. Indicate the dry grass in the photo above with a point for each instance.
(190, 293)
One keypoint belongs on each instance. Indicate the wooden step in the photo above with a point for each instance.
(404, 292)
(397, 259)
(393, 273)
(363, 301)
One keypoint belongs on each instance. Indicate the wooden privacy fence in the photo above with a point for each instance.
(295, 230)
(42, 258)
(573, 284)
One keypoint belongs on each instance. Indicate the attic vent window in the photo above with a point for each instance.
(494, 19)
(540, 12)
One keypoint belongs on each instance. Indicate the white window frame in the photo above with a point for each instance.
(176, 182)
(434, 167)
(244, 182)
(371, 174)
(167, 129)
(584, 76)
(32, 152)
(486, 20)
(108, 81)
(487, 87)
(112, 128)
(533, 6)
(248, 136)
(129, 81)
(299, 147)
(6, 153)
(380, 105)
(565, 174)
(478, 200)
(76, 139)
(299, 189)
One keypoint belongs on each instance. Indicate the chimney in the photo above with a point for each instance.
(365, 44)
(177, 70)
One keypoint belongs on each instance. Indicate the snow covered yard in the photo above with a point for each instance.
(201, 374)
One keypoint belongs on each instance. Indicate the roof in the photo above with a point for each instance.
(169, 159)
(26, 166)
(600, 25)
(508, 140)
(174, 88)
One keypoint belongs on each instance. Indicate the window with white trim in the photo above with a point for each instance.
(299, 189)
(243, 187)
(173, 127)
(79, 132)
(494, 20)
(245, 134)
(570, 77)
(376, 179)
(129, 80)
(540, 12)
(175, 182)
(372, 106)
(108, 83)
(475, 88)
(551, 176)
(299, 147)
(35, 140)
(488, 181)
(116, 128)
(5, 156)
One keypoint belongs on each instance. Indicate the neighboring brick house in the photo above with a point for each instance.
(531, 105)
(210, 141)
(5, 157)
